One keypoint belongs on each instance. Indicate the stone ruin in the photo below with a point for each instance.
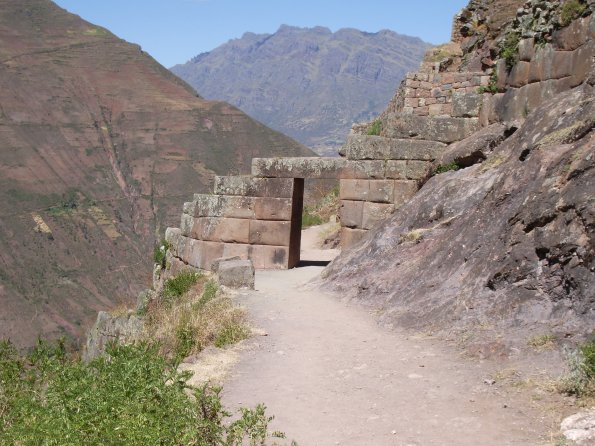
(258, 217)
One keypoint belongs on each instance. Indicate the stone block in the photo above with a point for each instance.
(513, 104)
(236, 274)
(541, 64)
(355, 190)
(222, 206)
(368, 147)
(404, 191)
(270, 257)
(299, 167)
(217, 262)
(582, 62)
(274, 233)
(272, 208)
(172, 236)
(519, 75)
(253, 187)
(563, 64)
(350, 213)
(199, 253)
(231, 230)
(526, 49)
(435, 109)
(572, 36)
(411, 102)
(363, 170)
(502, 74)
(350, 237)
(381, 191)
(187, 225)
(466, 105)
(422, 111)
(396, 169)
(488, 113)
(373, 213)
(417, 170)
(432, 128)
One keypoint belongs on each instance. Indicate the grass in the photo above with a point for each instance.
(160, 253)
(570, 10)
(177, 286)
(542, 342)
(133, 397)
(195, 319)
(375, 128)
(310, 218)
(447, 167)
(492, 87)
(414, 236)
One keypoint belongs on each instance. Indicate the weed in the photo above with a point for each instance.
(571, 9)
(209, 292)
(160, 253)
(447, 167)
(509, 49)
(414, 236)
(309, 218)
(492, 86)
(232, 334)
(542, 342)
(375, 128)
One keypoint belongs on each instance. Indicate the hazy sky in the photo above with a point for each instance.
(173, 31)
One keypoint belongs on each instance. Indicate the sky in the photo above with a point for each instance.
(174, 31)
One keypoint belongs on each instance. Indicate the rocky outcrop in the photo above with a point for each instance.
(309, 83)
(124, 329)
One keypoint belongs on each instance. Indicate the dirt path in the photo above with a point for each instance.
(332, 376)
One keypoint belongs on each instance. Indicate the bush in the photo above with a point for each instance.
(571, 9)
(310, 218)
(375, 128)
(134, 397)
(509, 49)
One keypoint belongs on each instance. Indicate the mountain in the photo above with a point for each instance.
(99, 144)
(308, 83)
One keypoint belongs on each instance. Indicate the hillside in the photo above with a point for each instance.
(98, 146)
(308, 83)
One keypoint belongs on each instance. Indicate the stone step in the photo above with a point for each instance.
(430, 128)
(369, 147)
(250, 186)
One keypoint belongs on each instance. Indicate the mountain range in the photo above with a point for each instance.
(309, 83)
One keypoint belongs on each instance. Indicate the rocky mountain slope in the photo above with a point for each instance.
(98, 145)
(502, 249)
(308, 83)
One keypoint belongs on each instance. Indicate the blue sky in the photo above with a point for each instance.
(173, 31)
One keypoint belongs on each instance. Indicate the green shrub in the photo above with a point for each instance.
(571, 9)
(209, 292)
(310, 218)
(375, 128)
(179, 285)
(447, 167)
(581, 364)
(160, 253)
(509, 49)
(231, 334)
(133, 397)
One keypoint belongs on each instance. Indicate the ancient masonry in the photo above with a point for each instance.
(259, 216)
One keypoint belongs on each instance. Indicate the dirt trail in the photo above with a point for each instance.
(332, 376)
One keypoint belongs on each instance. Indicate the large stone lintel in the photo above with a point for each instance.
(304, 167)
(254, 187)
(369, 147)
(431, 128)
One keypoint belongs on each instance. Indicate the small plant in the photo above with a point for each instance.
(509, 49)
(492, 87)
(571, 9)
(232, 334)
(414, 236)
(542, 342)
(581, 363)
(179, 285)
(375, 128)
(160, 253)
(209, 292)
(309, 218)
(442, 168)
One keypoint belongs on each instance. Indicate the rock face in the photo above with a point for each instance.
(97, 142)
(122, 329)
(311, 84)
(507, 243)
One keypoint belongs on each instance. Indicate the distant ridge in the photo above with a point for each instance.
(308, 83)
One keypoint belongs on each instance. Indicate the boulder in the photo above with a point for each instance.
(580, 427)
(236, 273)
(123, 329)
